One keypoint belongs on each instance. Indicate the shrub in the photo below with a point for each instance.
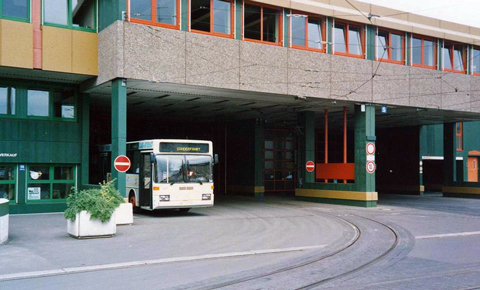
(99, 202)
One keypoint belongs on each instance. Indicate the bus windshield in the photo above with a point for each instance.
(183, 169)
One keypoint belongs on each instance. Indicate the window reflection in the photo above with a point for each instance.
(7, 100)
(15, 8)
(141, 9)
(222, 16)
(38, 103)
(167, 11)
(354, 41)
(55, 12)
(315, 34)
(298, 31)
(339, 34)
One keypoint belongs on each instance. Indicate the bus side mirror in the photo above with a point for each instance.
(152, 158)
(215, 160)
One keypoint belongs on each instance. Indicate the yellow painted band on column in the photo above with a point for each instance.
(461, 190)
(336, 194)
(248, 189)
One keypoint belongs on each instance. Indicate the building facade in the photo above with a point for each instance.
(275, 85)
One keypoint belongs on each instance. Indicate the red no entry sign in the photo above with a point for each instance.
(121, 163)
(310, 166)
(371, 167)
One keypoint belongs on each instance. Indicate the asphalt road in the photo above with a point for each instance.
(407, 242)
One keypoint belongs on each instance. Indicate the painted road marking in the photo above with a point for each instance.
(73, 270)
(447, 235)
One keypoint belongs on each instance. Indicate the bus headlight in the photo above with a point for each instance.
(206, 196)
(164, 197)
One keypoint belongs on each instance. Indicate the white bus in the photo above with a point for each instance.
(168, 173)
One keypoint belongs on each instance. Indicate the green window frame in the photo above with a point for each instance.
(14, 18)
(8, 184)
(53, 186)
(70, 24)
(54, 112)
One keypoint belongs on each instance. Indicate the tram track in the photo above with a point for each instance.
(238, 283)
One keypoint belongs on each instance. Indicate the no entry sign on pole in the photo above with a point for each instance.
(370, 148)
(121, 163)
(310, 166)
(371, 167)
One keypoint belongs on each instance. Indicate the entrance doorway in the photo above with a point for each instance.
(280, 174)
(473, 169)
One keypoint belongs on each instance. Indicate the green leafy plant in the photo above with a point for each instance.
(99, 202)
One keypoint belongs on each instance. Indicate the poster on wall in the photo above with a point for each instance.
(34, 193)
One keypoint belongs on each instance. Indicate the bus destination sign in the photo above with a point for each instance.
(184, 148)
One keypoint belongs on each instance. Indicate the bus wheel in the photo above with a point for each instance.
(183, 209)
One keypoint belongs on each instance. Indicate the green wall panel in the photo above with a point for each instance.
(110, 11)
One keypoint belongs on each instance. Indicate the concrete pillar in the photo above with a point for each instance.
(449, 154)
(119, 129)
(364, 133)
(306, 145)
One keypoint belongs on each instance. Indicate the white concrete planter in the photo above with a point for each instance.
(84, 227)
(4, 203)
(124, 214)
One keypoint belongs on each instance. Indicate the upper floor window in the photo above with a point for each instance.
(262, 23)
(55, 103)
(459, 136)
(390, 46)
(76, 14)
(424, 52)
(453, 57)
(15, 9)
(475, 59)
(307, 32)
(212, 16)
(348, 39)
(155, 12)
(7, 101)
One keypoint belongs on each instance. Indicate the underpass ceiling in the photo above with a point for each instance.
(182, 103)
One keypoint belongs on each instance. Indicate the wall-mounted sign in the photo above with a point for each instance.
(370, 148)
(122, 163)
(21, 167)
(371, 167)
(34, 193)
(310, 166)
(11, 155)
(384, 109)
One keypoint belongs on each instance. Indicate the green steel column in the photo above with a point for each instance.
(307, 144)
(449, 154)
(408, 48)
(85, 119)
(370, 45)
(329, 35)
(238, 19)
(423, 151)
(110, 11)
(119, 129)
(259, 140)
(364, 133)
(439, 54)
(286, 27)
(184, 15)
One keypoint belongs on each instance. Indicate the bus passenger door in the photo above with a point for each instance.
(145, 184)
